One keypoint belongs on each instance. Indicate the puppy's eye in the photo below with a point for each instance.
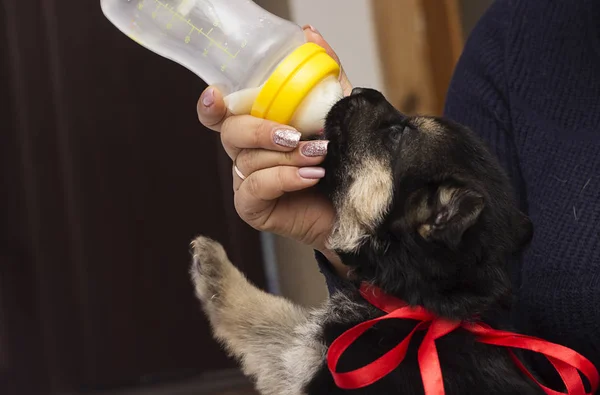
(396, 132)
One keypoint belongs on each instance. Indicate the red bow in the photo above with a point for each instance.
(566, 361)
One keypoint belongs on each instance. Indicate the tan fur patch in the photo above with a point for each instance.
(427, 125)
(364, 205)
(446, 194)
(418, 208)
(425, 230)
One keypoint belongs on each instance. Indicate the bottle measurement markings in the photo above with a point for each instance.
(193, 28)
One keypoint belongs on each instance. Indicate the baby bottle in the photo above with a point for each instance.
(260, 62)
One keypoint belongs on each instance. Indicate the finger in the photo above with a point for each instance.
(255, 198)
(308, 154)
(314, 36)
(211, 109)
(247, 132)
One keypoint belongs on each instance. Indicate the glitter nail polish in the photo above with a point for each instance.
(287, 138)
(315, 148)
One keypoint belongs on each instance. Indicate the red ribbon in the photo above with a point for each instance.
(566, 361)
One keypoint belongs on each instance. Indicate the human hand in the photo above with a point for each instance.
(274, 191)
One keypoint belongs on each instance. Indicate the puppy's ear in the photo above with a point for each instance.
(453, 211)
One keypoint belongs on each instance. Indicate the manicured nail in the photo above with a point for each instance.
(312, 29)
(311, 173)
(315, 148)
(208, 97)
(287, 138)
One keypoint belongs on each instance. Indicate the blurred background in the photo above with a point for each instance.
(106, 176)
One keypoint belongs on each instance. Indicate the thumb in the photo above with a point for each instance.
(211, 109)
(313, 35)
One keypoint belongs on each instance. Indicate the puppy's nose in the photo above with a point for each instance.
(356, 91)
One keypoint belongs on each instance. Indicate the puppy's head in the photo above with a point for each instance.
(423, 210)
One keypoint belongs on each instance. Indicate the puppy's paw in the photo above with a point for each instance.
(210, 267)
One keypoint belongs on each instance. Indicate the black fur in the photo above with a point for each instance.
(452, 260)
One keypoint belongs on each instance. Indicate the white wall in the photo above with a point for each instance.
(348, 27)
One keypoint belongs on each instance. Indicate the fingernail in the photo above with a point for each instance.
(208, 97)
(315, 148)
(287, 138)
(311, 173)
(312, 29)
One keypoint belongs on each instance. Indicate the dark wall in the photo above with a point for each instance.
(106, 176)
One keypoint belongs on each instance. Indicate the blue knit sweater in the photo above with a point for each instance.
(529, 83)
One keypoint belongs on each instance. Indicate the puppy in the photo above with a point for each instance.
(424, 212)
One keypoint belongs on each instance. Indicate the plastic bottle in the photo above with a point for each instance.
(261, 63)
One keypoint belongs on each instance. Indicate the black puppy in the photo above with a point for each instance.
(424, 212)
